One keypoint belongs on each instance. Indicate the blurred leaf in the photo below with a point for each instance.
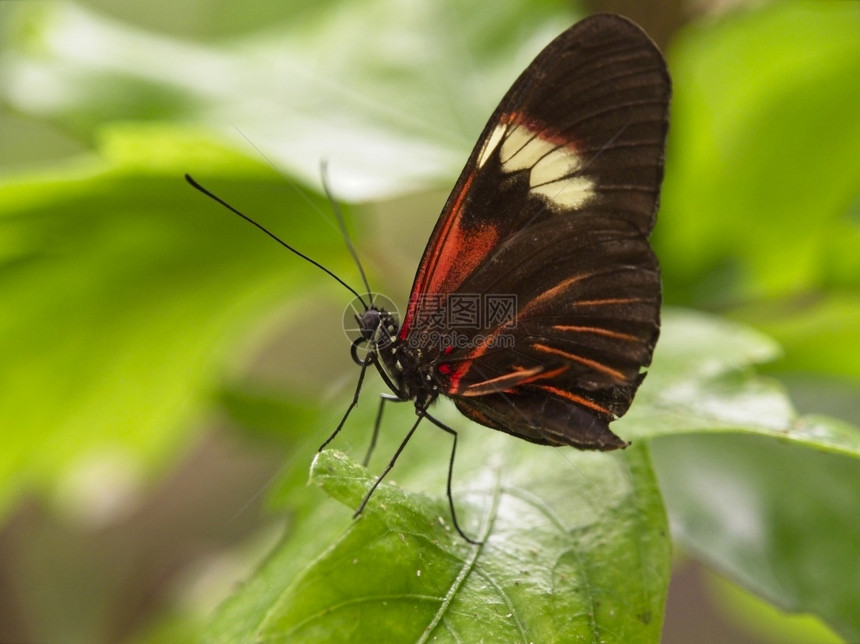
(780, 519)
(775, 515)
(301, 91)
(122, 287)
(762, 167)
(820, 335)
(124, 293)
(210, 18)
(701, 381)
(766, 622)
(556, 565)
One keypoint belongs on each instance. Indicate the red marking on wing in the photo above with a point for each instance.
(455, 374)
(455, 254)
(597, 366)
(579, 400)
(465, 364)
(541, 130)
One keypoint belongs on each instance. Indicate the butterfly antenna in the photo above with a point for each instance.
(260, 226)
(342, 225)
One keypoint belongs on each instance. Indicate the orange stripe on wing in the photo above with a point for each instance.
(597, 331)
(500, 383)
(579, 400)
(597, 366)
(544, 375)
(534, 303)
(614, 300)
(553, 292)
(509, 381)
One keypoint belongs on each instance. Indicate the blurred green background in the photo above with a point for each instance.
(166, 372)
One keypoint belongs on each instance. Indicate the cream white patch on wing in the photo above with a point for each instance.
(522, 148)
(574, 192)
(552, 168)
(491, 143)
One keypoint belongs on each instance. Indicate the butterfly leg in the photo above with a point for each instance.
(367, 361)
(388, 468)
(445, 428)
(383, 399)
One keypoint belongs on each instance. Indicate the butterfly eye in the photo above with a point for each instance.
(369, 323)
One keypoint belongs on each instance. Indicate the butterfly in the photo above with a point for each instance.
(536, 304)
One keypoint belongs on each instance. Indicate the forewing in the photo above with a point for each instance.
(583, 126)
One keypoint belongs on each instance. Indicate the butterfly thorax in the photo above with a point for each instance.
(404, 368)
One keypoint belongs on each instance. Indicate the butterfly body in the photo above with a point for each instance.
(407, 371)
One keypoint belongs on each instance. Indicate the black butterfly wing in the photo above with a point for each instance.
(570, 361)
(544, 239)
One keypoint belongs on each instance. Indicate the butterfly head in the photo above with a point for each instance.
(378, 327)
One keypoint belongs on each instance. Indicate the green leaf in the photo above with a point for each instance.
(776, 515)
(761, 170)
(122, 289)
(559, 562)
(819, 334)
(701, 381)
(779, 519)
(762, 619)
(125, 295)
(302, 91)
